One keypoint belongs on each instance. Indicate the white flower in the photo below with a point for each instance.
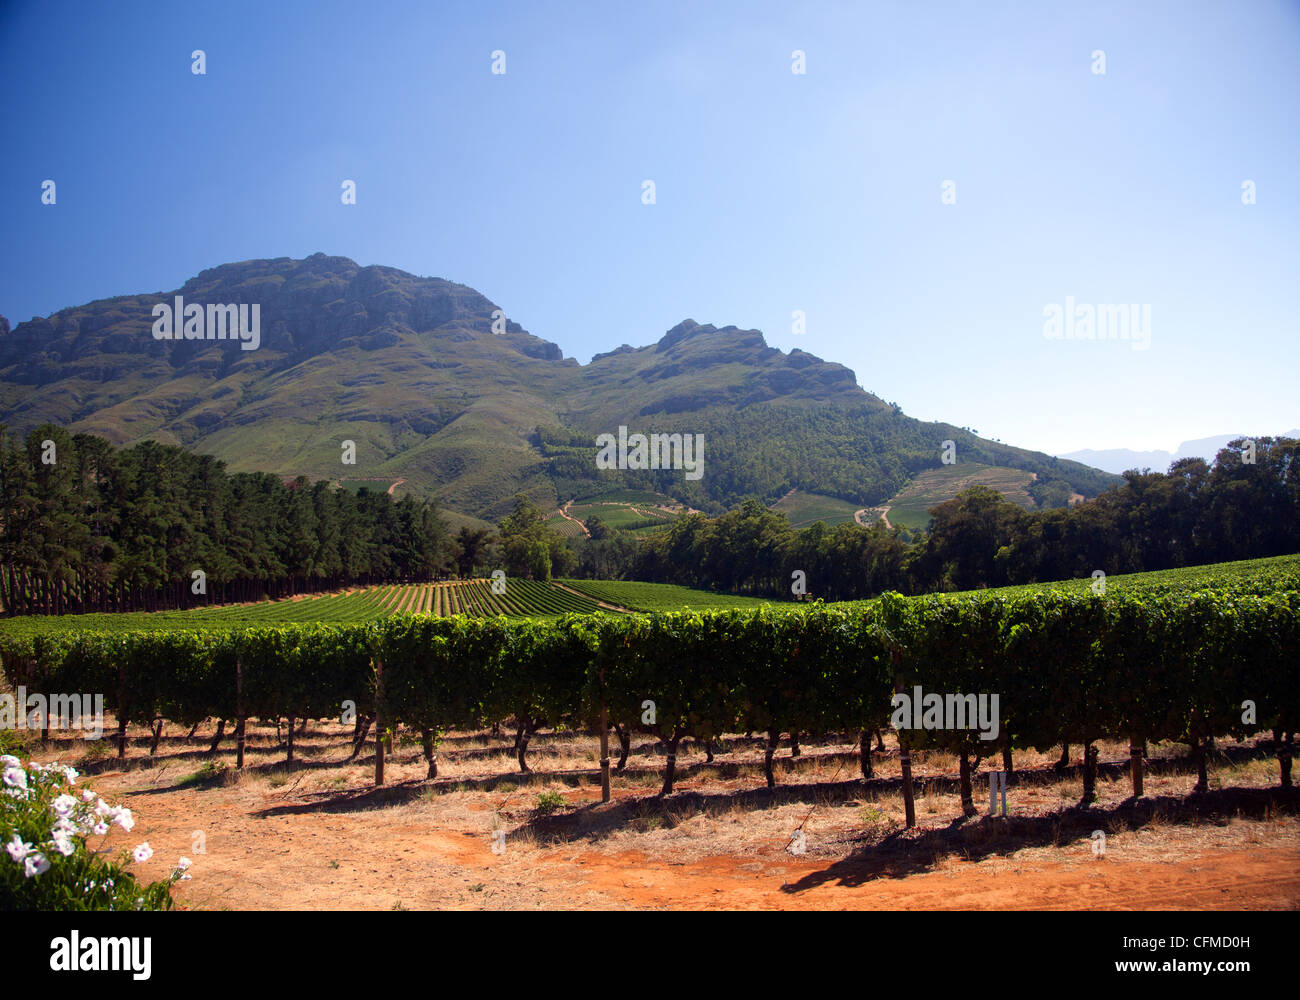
(99, 829)
(102, 808)
(35, 864)
(71, 774)
(122, 816)
(17, 849)
(64, 844)
(87, 796)
(15, 777)
(63, 805)
(184, 863)
(143, 853)
(9, 760)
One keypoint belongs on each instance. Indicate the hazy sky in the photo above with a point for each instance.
(775, 191)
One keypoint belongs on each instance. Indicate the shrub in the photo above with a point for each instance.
(12, 741)
(47, 863)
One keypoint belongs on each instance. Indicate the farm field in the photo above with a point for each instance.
(663, 596)
(622, 516)
(1256, 576)
(623, 495)
(624, 510)
(566, 527)
(802, 509)
(637, 518)
(1213, 829)
(1249, 576)
(522, 599)
(533, 599)
(910, 507)
(720, 842)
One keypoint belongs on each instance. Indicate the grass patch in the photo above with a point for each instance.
(212, 773)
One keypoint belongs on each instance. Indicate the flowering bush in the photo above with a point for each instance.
(46, 862)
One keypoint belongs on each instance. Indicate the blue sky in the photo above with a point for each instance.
(775, 191)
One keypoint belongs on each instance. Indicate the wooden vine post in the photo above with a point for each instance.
(239, 713)
(604, 742)
(379, 722)
(1089, 773)
(893, 631)
(904, 755)
(1136, 751)
(122, 711)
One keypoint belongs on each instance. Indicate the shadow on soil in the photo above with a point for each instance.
(882, 853)
(905, 853)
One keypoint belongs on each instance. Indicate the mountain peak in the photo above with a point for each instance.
(686, 328)
(418, 373)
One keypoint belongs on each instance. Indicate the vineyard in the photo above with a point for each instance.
(1066, 668)
(1251, 576)
(537, 600)
(660, 596)
(520, 599)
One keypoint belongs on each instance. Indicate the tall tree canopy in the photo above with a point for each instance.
(86, 527)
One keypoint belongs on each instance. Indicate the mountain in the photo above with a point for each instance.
(1120, 460)
(411, 370)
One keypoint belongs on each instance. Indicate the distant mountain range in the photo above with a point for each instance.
(1120, 460)
(444, 397)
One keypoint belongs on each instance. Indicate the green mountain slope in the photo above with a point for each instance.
(410, 370)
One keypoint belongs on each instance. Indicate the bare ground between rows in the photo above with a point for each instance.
(317, 834)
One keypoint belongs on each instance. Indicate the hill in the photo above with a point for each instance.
(803, 509)
(910, 507)
(411, 370)
(1122, 459)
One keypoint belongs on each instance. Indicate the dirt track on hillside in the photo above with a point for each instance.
(884, 516)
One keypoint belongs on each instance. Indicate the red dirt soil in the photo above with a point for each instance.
(284, 863)
(261, 855)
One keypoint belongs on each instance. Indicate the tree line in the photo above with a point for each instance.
(88, 527)
(1196, 513)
